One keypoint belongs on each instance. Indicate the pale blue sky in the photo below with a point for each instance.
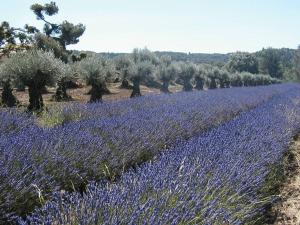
(179, 25)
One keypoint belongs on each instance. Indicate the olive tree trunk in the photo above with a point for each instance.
(222, 83)
(213, 84)
(187, 86)
(199, 83)
(7, 97)
(61, 92)
(96, 92)
(136, 92)
(35, 97)
(165, 87)
(125, 84)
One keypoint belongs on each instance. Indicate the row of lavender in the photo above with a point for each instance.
(214, 178)
(107, 139)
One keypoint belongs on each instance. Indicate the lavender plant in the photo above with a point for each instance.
(106, 139)
(214, 178)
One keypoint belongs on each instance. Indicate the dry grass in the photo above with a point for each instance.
(288, 209)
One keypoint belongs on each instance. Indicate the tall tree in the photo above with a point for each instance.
(269, 63)
(14, 39)
(297, 64)
(65, 33)
(243, 62)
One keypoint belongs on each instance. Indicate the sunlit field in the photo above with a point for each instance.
(94, 133)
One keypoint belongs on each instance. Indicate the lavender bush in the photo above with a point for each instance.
(214, 178)
(106, 139)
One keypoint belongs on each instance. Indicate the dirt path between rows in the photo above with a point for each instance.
(288, 209)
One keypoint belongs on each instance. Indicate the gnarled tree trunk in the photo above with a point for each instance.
(35, 97)
(96, 93)
(61, 92)
(7, 97)
(213, 83)
(199, 83)
(136, 92)
(222, 83)
(187, 86)
(125, 84)
(165, 87)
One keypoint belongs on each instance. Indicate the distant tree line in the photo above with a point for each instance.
(278, 63)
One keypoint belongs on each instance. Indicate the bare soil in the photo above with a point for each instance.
(287, 210)
(81, 94)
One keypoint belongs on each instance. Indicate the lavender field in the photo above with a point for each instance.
(188, 158)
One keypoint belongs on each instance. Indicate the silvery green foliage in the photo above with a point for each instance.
(124, 64)
(187, 70)
(23, 67)
(4, 76)
(142, 70)
(145, 63)
(110, 69)
(165, 60)
(202, 71)
(167, 72)
(93, 69)
(141, 55)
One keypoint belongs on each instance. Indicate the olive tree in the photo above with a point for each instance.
(224, 79)
(123, 64)
(62, 85)
(236, 80)
(7, 97)
(94, 72)
(186, 72)
(200, 78)
(35, 69)
(46, 43)
(247, 79)
(145, 55)
(213, 75)
(140, 71)
(166, 72)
